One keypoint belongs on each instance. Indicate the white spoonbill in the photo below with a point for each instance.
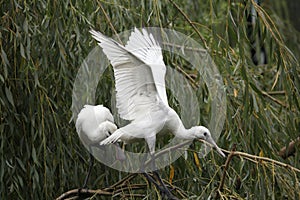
(94, 124)
(141, 97)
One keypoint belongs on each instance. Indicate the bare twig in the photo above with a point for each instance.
(170, 149)
(82, 193)
(231, 154)
(85, 193)
(254, 158)
(130, 196)
(186, 48)
(250, 157)
(282, 92)
(130, 187)
(274, 99)
(109, 22)
(121, 182)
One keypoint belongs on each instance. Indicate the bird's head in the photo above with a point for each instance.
(201, 132)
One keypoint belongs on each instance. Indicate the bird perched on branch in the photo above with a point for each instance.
(139, 72)
(141, 97)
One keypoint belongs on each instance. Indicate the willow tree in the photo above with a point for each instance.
(43, 44)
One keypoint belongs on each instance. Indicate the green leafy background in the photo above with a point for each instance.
(43, 44)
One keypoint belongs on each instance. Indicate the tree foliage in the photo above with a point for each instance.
(43, 43)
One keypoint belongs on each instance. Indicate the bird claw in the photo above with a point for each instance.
(166, 192)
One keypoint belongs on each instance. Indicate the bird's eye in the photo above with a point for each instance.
(205, 134)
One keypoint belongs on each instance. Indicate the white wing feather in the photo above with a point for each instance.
(144, 46)
(139, 72)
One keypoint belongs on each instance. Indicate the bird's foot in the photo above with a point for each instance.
(165, 192)
(163, 189)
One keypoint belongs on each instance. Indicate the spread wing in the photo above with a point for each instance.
(139, 72)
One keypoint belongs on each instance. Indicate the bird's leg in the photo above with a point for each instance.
(120, 155)
(151, 147)
(144, 160)
(162, 187)
(106, 176)
(91, 163)
(150, 179)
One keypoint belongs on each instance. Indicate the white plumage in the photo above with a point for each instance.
(139, 72)
(94, 124)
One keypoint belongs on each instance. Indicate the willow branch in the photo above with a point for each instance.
(121, 182)
(231, 154)
(190, 22)
(167, 150)
(274, 99)
(109, 22)
(250, 157)
(83, 193)
(254, 158)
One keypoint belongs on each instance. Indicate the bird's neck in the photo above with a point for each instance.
(107, 126)
(184, 133)
(176, 126)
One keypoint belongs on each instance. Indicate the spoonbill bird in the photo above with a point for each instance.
(94, 124)
(141, 97)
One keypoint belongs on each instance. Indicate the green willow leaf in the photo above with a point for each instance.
(9, 96)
